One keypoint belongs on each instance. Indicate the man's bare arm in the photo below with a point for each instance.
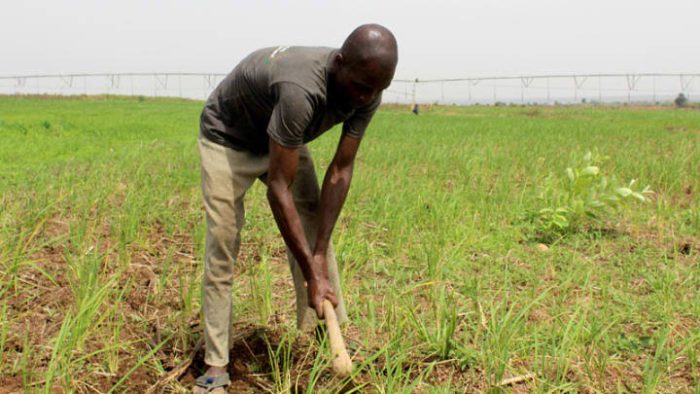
(282, 169)
(334, 191)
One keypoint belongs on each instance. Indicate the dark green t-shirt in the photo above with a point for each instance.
(279, 93)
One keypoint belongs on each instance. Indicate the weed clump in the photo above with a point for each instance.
(584, 196)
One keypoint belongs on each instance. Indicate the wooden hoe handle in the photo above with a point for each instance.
(342, 365)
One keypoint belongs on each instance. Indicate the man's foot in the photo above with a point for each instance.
(215, 380)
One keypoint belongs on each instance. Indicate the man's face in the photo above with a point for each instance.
(358, 85)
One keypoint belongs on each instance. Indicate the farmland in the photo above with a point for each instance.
(451, 285)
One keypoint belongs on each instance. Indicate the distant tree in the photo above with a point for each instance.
(681, 101)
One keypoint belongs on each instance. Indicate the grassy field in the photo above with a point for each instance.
(451, 284)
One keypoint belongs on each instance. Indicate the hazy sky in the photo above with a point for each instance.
(436, 38)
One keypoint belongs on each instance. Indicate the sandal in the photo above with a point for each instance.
(211, 383)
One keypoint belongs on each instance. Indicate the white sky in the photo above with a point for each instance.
(437, 38)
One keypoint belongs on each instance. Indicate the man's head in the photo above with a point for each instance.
(365, 65)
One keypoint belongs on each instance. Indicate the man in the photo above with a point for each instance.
(255, 126)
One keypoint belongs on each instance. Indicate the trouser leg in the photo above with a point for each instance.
(226, 176)
(307, 196)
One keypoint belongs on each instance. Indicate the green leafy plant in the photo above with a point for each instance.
(584, 196)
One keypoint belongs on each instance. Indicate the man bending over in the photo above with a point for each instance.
(255, 125)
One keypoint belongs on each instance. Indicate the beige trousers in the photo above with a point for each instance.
(226, 176)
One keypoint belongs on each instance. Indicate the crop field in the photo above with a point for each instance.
(471, 259)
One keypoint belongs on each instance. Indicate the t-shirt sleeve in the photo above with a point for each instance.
(356, 125)
(291, 115)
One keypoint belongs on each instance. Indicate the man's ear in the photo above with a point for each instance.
(338, 60)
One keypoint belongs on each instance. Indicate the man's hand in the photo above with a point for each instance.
(319, 287)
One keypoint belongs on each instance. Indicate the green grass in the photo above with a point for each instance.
(102, 234)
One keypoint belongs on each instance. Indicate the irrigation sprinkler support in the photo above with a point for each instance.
(114, 81)
(413, 94)
(20, 82)
(442, 92)
(469, 92)
(632, 80)
(207, 79)
(162, 81)
(67, 81)
(470, 83)
(578, 84)
(685, 84)
(524, 84)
